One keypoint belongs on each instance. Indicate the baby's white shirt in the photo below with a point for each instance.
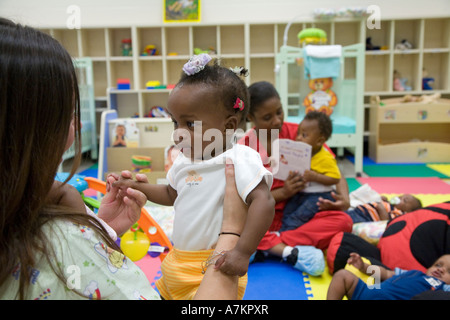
(201, 187)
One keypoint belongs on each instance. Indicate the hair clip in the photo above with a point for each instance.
(196, 64)
(240, 71)
(239, 104)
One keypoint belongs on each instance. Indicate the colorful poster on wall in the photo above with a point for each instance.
(125, 134)
(182, 10)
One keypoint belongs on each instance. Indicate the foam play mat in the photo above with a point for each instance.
(402, 185)
(402, 170)
(441, 168)
(277, 280)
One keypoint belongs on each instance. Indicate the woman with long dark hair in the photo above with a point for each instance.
(50, 248)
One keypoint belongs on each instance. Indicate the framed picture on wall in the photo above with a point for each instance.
(182, 10)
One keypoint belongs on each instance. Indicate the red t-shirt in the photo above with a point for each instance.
(288, 131)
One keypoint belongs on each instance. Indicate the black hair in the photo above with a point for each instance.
(259, 93)
(228, 85)
(39, 99)
(419, 204)
(324, 122)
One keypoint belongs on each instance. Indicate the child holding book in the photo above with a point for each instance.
(315, 129)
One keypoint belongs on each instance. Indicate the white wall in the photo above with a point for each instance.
(53, 13)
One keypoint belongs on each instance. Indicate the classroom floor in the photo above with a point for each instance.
(275, 280)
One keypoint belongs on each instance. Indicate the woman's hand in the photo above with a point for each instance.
(215, 284)
(234, 217)
(120, 209)
(234, 208)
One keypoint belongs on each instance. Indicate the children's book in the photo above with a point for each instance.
(363, 194)
(289, 155)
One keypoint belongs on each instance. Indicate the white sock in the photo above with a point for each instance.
(287, 251)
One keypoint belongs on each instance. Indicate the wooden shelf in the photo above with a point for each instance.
(255, 46)
(410, 131)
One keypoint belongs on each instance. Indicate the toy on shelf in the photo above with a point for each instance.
(210, 50)
(154, 84)
(426, 81)
(150, 50)
(403, 45)
(400, 83)
(141, 164)
(344, 12)
(126, 48)
(321, 98)
(123, 84)
(156, 112)
(312, 36)
(425, 98)
(370, 46)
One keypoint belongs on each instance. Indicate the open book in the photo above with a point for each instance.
(363, 194)
(289, 155)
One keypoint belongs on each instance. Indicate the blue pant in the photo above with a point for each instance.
(359, 215)
(301, 208)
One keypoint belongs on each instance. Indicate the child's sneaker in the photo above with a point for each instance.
(307, 259)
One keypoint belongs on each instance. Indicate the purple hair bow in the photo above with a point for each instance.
(196, 64)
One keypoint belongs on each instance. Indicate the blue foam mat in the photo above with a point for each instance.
(274, 280)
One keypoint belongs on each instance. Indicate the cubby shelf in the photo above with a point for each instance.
(253, 45)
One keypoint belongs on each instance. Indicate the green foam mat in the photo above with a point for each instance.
(353, 184)
(403, 170)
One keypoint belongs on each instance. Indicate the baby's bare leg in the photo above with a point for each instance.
(343, 284)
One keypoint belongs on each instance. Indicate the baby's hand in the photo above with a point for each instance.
(356, 261)
(124, 183)
(233, 263)
(309, 175)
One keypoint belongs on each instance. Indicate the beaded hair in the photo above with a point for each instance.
(230, 89)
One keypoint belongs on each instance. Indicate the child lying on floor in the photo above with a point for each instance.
(384, 209)
(396, 285)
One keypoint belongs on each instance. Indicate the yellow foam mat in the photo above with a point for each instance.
(317, 287)
(442, 168)
(426, 199)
